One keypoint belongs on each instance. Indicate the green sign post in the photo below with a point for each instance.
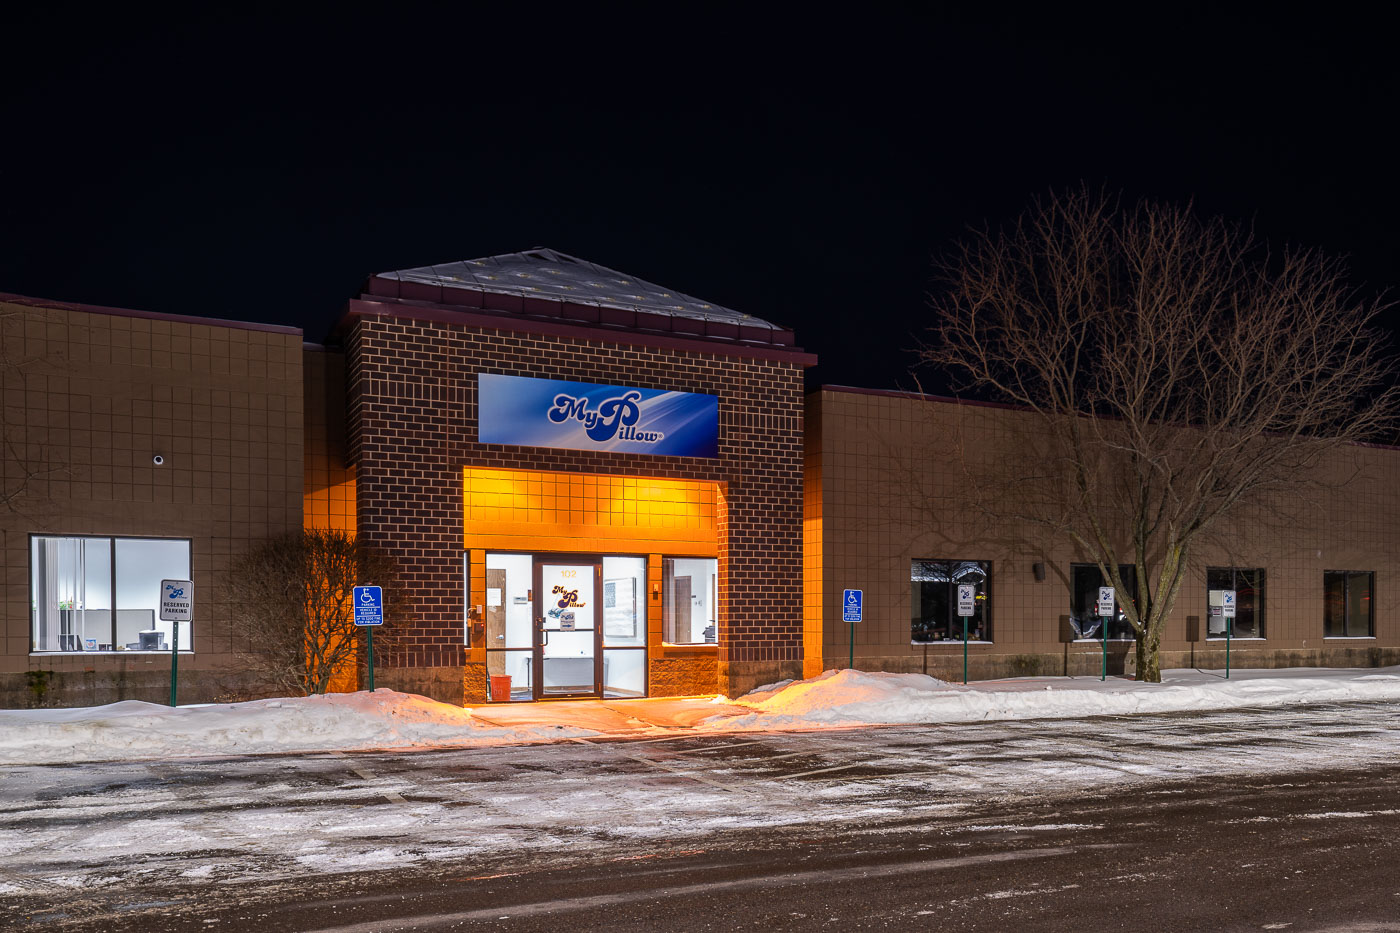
(176, 606)
(1227, 611)
(1105, 607)
(967, 605)
(174, 659)
(852, 610)
(369, 612)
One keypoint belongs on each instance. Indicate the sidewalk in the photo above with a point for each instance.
(646, 716)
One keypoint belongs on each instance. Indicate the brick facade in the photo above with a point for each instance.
(412, 429)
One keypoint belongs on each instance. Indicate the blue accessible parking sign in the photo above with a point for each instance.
(851, 605)
(369, 605)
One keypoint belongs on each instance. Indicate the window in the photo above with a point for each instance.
(1084, 581)
(689, 600)
(103, 593)
(1248, 585)
(934, 600)
(624, 606)
(1346, 596)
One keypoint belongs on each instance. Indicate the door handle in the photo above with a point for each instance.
(544, 632)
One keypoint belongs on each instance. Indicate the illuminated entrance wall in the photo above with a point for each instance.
(541, 512)
(412, 377)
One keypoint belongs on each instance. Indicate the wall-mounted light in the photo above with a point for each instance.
(1038, 568)
(656, 591)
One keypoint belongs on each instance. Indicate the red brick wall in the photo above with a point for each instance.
(412, 397)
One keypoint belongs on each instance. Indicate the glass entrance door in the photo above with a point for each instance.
(567, 634)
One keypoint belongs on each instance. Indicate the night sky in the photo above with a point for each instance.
(805, 170)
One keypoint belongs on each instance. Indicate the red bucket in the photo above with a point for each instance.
(500, 687)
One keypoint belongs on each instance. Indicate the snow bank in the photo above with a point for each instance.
(850, 697)
(342, 721)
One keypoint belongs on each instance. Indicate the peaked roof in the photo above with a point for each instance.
(550, 283)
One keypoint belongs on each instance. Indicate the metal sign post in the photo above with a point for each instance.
(1105, 609)
(1227, 611)
(967, 605)
(176, 606)
(852, 602)
(369, 612)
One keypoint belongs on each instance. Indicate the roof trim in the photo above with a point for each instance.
(148, 315)
(362, 307)
(918, 397)
(378, 288)
(543, 282)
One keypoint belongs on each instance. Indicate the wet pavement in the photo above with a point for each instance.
(81, 845)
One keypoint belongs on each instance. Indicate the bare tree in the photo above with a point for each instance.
(1178, 370)
(292, 601)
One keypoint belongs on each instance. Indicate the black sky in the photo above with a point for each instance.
(804, 170)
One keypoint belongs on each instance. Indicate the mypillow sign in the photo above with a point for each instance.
(587, 416)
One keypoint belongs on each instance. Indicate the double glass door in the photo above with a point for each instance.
(565, 625)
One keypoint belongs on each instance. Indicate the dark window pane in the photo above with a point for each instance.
(1334, 604)
(1248, 585)
(1249, 604)
(933, 600)
(1085, 580)
(1359, 604)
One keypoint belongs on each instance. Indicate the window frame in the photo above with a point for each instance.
(1260, 608)
(1346, 576)
(1121, 620)
(667, 598)
(112, 594)
(988, 633)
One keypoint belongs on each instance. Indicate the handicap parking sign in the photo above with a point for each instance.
(851, 605)
(369, 605)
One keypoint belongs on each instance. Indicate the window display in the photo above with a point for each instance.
(1085, 580)
(934, 600)
(1248, 585)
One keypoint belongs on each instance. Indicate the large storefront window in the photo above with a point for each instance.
(103, 593)
(1085, 580)
(1347, 604)
(1248, 584)
(934, 600)
(689, 599)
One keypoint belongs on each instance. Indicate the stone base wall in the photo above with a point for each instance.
(45, 689)
(475, 684)
(444, 684)
(685, 676)
(737, 678)
(1079, 662)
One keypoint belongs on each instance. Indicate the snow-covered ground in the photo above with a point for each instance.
(197, 809)
(851, 697)
(385, 719)
(136, 730)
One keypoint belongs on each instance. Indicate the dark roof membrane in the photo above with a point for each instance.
(551, 276)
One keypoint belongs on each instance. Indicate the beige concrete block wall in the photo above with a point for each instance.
(895, 473)
(90, 396)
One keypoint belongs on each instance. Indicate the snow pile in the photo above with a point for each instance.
(851, 697)
(341, 721)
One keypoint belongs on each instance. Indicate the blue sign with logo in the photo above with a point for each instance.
(587, 416)
(369, 605)
(851, 608)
